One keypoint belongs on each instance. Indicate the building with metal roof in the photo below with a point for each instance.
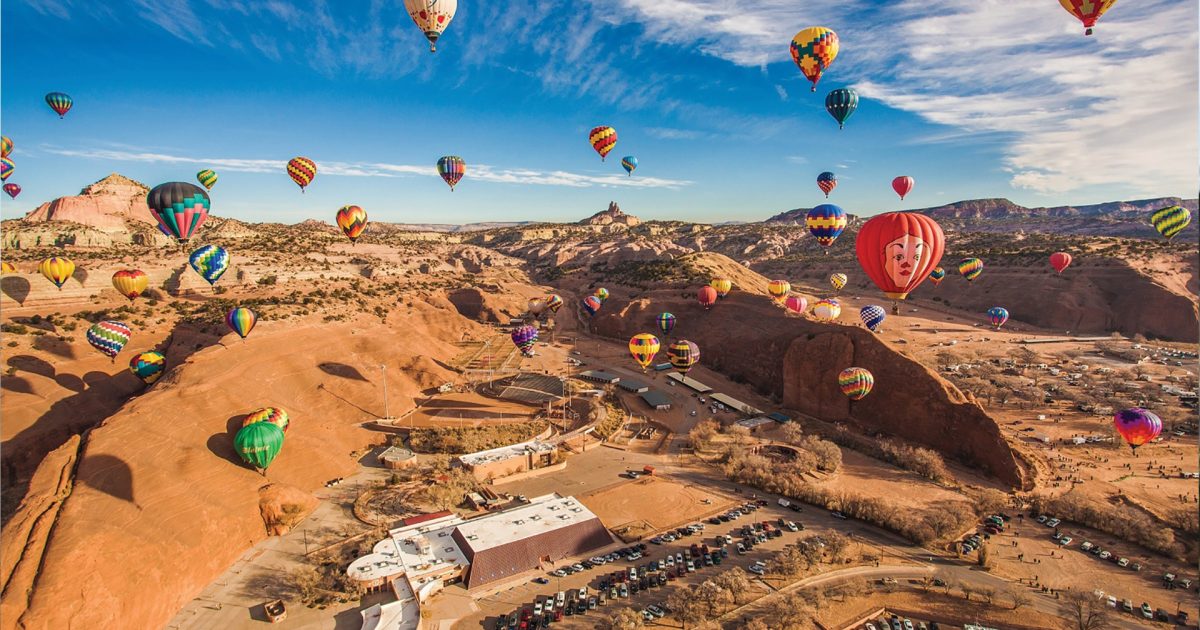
(735, 404)
(691, 383)
(600, 377)
(656, 399)
(632, 385)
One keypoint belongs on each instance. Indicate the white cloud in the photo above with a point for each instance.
(482, 172)
(783, 95)
(667, 133)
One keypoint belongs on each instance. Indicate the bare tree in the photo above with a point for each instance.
(1083, 610)
(712, 596)
(736, 581)
(968, 589)
(988, 593)
(686, 608)
(306, 579)
(1018, 597)
(792, 432)
(985, 556)
(622, 619)
(948, 581)
(836, 544)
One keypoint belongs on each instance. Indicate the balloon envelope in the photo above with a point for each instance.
(148, 366)
(629, 163)
(903, 185)
(603, 139)
(722, 285)
(796, 304)
(1087, 11)
(451, 168)
(207, 178)
(897, 250)
(524, 337)
(1171, 220)
(60, 103)
(601, 294)
(827, 310)
(872, 316)
(643, 347)
(274, 415)
(707, 296)
(827, 181)
(813, 49)
(591, 304)
(779, 289)
(683, 354)
(130, 282)
(970, 268)
(997, 315)
(6, 146)
(353, 221)
(302, 171)
(210, 261)
(258, 443)
(856, 382)
(826, 223)
(13, 190)
(432, 17)
(937, 275)
(838, 281)
(841, 104)
(179, 207)
(7, 166)
(666, 323)
(109, 337)
(554, 302)
(241, 320)
(1138, 426)
(1060, 261)
(57, 269)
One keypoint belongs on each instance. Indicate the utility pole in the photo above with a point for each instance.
(386, 414)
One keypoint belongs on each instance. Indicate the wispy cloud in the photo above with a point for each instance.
(481, 172)
(668, 133)
(783, 95)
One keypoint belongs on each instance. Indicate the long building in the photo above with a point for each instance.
(509, 460)
(691, 383)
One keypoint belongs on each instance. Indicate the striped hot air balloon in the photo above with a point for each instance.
(666, 323)
(57, 269)
(601, 294)
(451, 168)
(970, 268)
(841, 104)
(1138, 426)
(838, 281)
(826, 223)
(524, 337)
(591, 304)
(130, 282)
(813, 49)
(1171, 220)
(179, 207)
(827, 181)
(856, 382)
(629, 163)
(241, 320)
(6, 146)
(109, 337)
(827, 310)
(683, 354)
(603, 140)
(210, 261)
(872, 316)
(60, 103)
(643, 347)
(353, 221)
(997, 315)
(937, 275)
(722, 285)
(554, 302)
(148, 366)
(779, 289)
(796, 304)
(274, 415)
(7, 166)
(302, 171)
(207, 178)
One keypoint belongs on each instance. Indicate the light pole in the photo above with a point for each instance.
(386, 414)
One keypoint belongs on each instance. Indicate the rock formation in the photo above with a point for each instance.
(105, 205)
(611, 216)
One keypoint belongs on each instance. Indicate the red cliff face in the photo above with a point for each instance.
(104, 205)
(797, 360)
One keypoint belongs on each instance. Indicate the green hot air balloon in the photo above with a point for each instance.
(841, 104)
(258, 444)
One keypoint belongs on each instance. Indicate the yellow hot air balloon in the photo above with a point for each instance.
(813, 49)
(643, 347)
(130, 282)
(7, 267)
(722, 285)
(827, 310)
(838, 280)
(779, 289)
(57, 270)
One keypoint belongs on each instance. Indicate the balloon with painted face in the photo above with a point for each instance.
(898, 250)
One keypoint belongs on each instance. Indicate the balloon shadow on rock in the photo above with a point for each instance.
(108, 474)
(15, 287)
(71, 382)
(31, 364)
(81, 275)
(342, 370)
(221, 445)
(16, 384)
(54, 346)
(234, 424)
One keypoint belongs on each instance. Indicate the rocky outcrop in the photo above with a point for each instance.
(611, 216)
(105, 205)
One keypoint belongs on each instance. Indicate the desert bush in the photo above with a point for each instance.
(471, 439)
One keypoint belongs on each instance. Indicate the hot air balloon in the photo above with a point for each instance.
(683, 354)
(903, 185)
(997, 315)
(813, 49)
(536, 306)
(841, 104)
(1171, 220)
(897, 250)
(432, 17)
(273, 415)
(210, 262)
(59, 102)
(591, 304)
(7, 166)
(451, 168)
(856, 382)
(601, 294)
(707, 296)
(207, 178)
(970, 268)
(722, 285)
(1087, 11)
(7, 267)
(826, 223)
(838, 280)
(148, 366)
(827, 181)
(603, 140)
(1060, 261)
(937, 275)
(779, 289)
(1138, 426)
(13, 190)
(353, 221)
(258, 444)
(524, 337)
(57, 270)
(179, 207)
(872, 316)
(302, 170)
(241, 320)
(130, 282)
(6, 146)
(629, 163)
(796, 304)
(643, 347)
(666, 323)
(109, 337)
(827, 310)
(554, 302)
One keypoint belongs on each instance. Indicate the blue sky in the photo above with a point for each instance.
(972, 98)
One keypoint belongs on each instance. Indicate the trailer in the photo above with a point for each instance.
(648, 470)
(784, 503)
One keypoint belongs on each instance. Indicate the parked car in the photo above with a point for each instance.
(1127, 605)
(757, 570)
(1086, 546)
(1112, 601)
(1053, 522)
(1064, 541)
(1104, 555)
(1042, 518)
(1123, 562)
(836, 514)
(1147, 612)
(541, 580)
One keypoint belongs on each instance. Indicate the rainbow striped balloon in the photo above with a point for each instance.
(6, 146)
(7, 166)
(666, 323)
(275, 415)
(856, 382)
(60, 103)
(937, 275)
(109, 337)
(591, 304)
(554, 302)
(970, 268)
(148, 366)
(451, 168)
(872, 316)
(241, 320)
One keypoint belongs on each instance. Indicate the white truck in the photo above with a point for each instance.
(784, 503)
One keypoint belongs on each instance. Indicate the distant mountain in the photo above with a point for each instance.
(611, 216)
(1003, 208)
(105, 205)
(797, 216)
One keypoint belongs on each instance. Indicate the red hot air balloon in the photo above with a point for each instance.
(1137, 426)
(707, 297)
(897, 250)
(903, 185)
(1060, 261)
(13, 190)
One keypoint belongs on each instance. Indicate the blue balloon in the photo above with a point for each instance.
(210, 262)
(872, 316)
(630, 163)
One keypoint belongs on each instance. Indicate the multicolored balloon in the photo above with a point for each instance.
(6, 146)
(130, 282)
(13, 190)
(207, 178)
(796, 304)
(856, 382)
(353, 221)
(591, 304)
(148, 366)
(210, 261)
(554, 302)
(1087, 11)
(666, 323)
(838, 281)
(872, 316)
(813, 49)
(629, 163)
(903, 185)
(601, 294)
(826, 223)
(827, 181)
(1060, 261)
(57, 269)
(7, 267)
(997, 315)
(60, 103)
(241, 320)
(258, 444)
(722, 285)
(1171, 220)
(274, 415)
(432, 17)
(683, 354)
(524, 337)
(109, 337)
(451, 168)
(603, 140)
(841, 104)
(937, 275)
(1138, 426)
(779, 289)
(302, 170)
(179, 207)
(970, 268)
(898, 250)
(707, 296)
(643, 347)
(827, 310)
(7, 166)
